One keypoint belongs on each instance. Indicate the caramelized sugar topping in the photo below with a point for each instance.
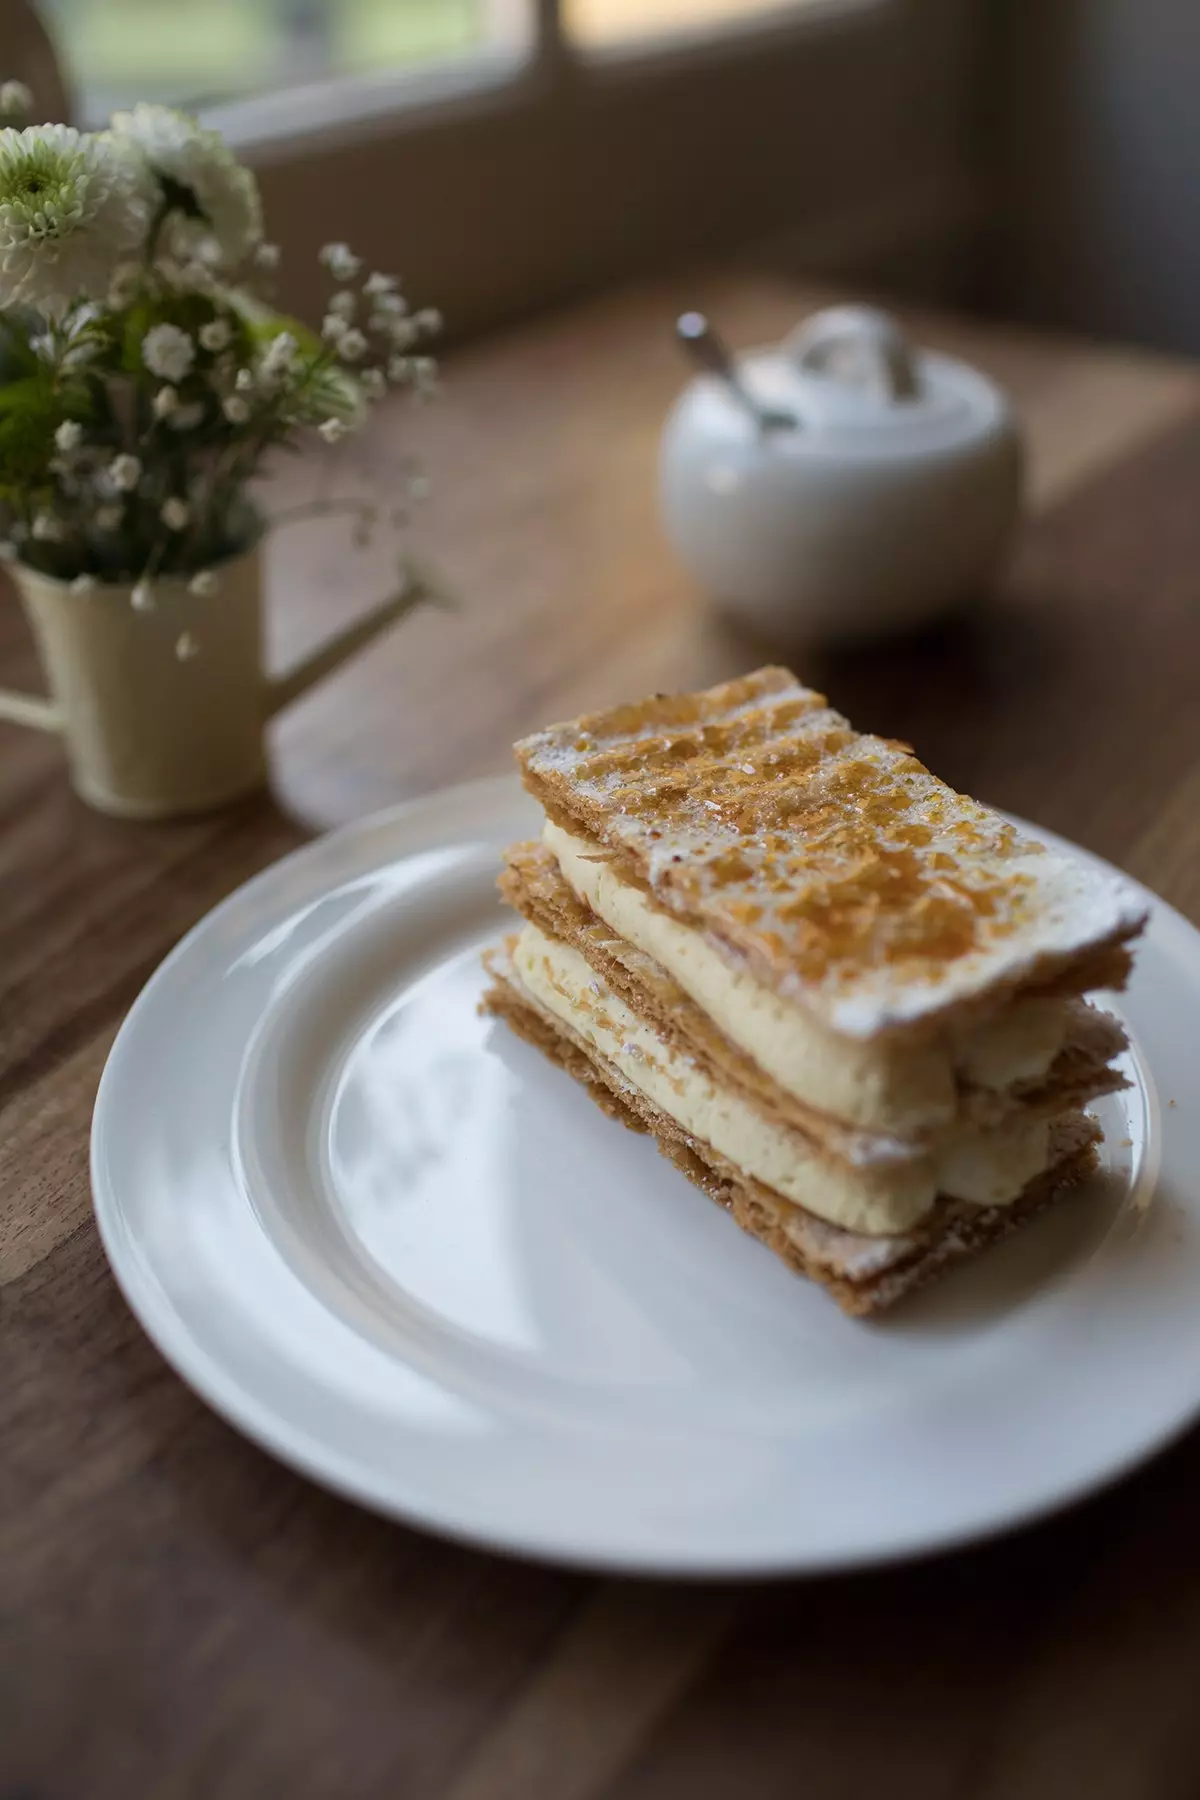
(757, 811)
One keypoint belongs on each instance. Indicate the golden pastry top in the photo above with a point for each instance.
(834, 863)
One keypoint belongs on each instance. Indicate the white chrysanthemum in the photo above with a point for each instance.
(267, 256)
(236, 410)
(174, 513)
(68, 436)
(333, 430)
(187, 156)
(216, 334)
(168, 352)
(72, 206)
(165, 402)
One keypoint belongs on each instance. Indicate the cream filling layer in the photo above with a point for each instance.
(881, 1086)
(988, 1168)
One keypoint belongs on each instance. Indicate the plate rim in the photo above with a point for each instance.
(221, 1389)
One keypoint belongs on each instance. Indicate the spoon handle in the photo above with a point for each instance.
(709, 351)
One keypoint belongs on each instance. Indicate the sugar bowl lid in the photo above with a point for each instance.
(851, 380)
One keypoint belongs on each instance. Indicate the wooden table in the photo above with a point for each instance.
(181, 1617)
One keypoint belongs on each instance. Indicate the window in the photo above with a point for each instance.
(202, 55)
(506, 154)
(198, 55)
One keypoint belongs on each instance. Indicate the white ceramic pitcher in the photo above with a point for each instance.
(162, 710)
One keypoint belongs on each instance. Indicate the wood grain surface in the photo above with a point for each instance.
(180, 1617)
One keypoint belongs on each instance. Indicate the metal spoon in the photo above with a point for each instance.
(710, 351)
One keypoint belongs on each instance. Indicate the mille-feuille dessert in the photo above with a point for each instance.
(847, 1001)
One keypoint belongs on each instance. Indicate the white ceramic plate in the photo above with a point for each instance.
(402, 1252)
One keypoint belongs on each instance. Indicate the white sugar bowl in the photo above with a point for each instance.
(875, 489)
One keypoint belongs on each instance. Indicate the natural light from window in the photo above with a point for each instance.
(596, 23)
(201, 53)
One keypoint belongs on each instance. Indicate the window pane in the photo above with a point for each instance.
(201, 52)
(623, 21)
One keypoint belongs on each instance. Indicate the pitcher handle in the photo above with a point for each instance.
(29, 709)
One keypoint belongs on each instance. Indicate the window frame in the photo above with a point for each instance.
(338, 110)
(496, 184)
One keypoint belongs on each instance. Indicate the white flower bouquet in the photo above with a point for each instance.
(144, 374)
(145, 377)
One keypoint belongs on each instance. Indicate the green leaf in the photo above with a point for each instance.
(26, 446)
(264, 324)
(138, 321)
(17, 326)
(28, 395)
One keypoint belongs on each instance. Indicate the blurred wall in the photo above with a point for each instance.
(1093, 135)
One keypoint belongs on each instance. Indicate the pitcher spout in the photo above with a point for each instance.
(417, 587)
